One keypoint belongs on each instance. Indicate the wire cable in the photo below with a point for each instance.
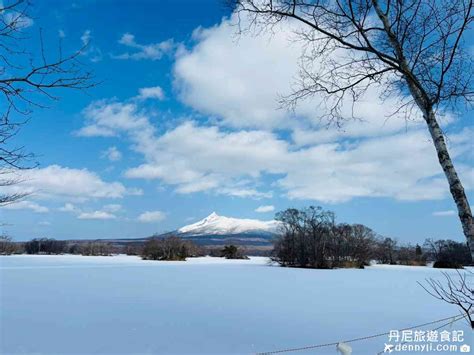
(451, 319)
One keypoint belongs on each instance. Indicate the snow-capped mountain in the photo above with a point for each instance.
(220, 225)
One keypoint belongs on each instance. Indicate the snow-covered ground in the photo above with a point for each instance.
(123, 305)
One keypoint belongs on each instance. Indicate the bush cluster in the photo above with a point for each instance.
(447, 253)
(232, 252)
(45, 246)
(171, 248)
(92, 249)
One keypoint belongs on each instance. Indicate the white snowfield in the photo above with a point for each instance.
(124, 305)
(220, 225)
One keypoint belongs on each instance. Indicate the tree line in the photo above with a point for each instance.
(175, 248)
(311, 238)
(170, 248)
(50, 246)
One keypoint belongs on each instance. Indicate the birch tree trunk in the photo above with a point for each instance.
(455, 185)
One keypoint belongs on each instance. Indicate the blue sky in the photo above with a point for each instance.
(186, 122)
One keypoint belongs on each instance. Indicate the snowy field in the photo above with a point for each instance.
(123, 305)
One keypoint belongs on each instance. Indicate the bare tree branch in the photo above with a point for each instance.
(28, 81)
(458, 292)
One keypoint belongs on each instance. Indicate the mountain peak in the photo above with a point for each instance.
(213, 215)
(221, 225)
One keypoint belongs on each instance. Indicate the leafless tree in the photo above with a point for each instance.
(386, 250)
(305, 239)
(457, 291)
(28, 80)
(411, 48)
(410, 255)
(7, 246)
(312, 239)
(96, 249)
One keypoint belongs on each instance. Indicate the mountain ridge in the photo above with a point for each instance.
(217, 225)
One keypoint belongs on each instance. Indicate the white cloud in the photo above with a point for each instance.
(93, 52)
(108, 118)
(112, 154)
(237, 80)
(127, 39)
(151, 216)
(152, 51)
(244, 192)
(401, 166)
(27, 205)
(240, 80)
(86, 37)
(94, 131)
(374, 156)
(112, 208)
(168, 156)
(255, 146)
(194, 158)
(154, 92)
(444, 213)
(101, 215)
(106, 212)
(56, 181)
(265, 209)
